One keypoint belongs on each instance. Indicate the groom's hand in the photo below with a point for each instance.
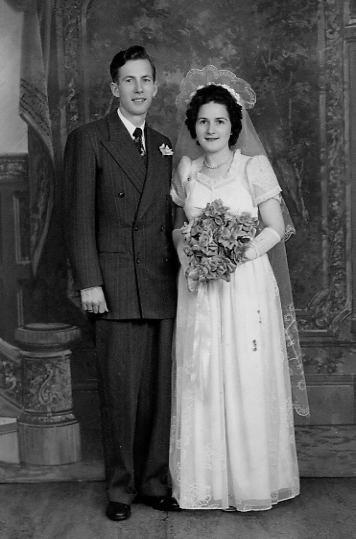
(93, 300)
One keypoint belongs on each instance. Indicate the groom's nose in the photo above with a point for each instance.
(138, 86)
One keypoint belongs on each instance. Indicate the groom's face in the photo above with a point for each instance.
(135, 87)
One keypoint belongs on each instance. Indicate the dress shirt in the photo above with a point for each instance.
(131, 127)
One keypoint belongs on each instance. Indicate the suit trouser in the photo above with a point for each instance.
(134, 371)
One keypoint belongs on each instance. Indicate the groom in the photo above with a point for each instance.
(119, 220)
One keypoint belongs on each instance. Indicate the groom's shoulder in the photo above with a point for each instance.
(91, 128)
(157, 134)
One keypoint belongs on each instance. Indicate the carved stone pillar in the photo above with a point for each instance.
(48, 431)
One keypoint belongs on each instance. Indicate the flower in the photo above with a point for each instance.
(215, 243)
(165, 150)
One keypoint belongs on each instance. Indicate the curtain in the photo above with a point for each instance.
(34, 108)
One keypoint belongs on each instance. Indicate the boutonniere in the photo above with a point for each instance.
(165, 150)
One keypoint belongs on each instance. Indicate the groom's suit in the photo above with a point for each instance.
(119, 237)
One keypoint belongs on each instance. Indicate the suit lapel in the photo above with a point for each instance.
(151, 152)
(120, 145)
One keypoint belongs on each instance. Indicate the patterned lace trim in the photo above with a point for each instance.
(188, 502)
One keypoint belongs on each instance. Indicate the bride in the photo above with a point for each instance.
(236, 347)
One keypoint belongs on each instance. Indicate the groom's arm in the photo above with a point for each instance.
(80, 179)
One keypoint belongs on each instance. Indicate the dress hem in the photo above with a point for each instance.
(233, 509)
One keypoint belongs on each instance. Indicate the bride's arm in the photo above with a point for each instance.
(180, 178)
(177, 236)
(180, 217)
(271, 215)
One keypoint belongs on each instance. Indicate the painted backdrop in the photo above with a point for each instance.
(298, 58)
(280, 48)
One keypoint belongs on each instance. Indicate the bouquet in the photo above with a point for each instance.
(216, 242)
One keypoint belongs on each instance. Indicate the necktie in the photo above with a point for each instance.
(138, 141)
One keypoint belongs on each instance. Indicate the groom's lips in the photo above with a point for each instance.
(139, 99)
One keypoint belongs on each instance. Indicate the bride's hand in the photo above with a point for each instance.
(250, 252)
(183, 169)
(192, 282)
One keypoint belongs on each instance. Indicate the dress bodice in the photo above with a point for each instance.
(232, 189)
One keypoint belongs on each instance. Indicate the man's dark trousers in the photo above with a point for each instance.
(134, 365)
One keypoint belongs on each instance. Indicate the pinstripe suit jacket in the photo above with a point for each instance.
(119, 219)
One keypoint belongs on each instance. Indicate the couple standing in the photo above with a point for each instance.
(230, 432)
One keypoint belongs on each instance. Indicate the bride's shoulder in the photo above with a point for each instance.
(187, 169)
(256, 160)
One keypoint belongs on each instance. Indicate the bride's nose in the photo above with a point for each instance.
(210, 128)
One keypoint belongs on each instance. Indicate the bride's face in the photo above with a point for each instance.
(213, 127)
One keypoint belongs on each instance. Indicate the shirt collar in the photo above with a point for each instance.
(129, 125)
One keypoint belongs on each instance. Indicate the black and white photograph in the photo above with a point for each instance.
(177, 269)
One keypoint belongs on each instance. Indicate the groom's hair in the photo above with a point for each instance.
(136, 52)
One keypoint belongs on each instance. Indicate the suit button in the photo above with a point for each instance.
(138, 260)
(121, 194)
(136, 228)
(162, 228)
(166, 259)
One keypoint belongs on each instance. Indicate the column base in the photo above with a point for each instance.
(49, 445)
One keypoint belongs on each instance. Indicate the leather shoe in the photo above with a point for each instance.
(118, 511)
(161, 503)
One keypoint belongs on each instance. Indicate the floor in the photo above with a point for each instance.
(326, 509)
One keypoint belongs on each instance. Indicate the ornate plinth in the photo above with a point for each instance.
(48, 431)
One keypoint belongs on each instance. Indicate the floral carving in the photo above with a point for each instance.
(10, 379)
(323, 361)
(47, 385)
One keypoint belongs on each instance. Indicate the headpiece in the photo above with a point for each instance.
(195, 79)
(248, 142)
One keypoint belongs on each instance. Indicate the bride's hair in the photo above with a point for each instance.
(213, 93)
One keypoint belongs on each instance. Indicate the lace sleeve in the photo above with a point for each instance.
(262, 179)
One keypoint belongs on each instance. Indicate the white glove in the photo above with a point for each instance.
(262, 243)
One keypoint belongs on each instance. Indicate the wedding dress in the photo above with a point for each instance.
(232, 434)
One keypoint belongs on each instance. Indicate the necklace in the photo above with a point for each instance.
(217, 166)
